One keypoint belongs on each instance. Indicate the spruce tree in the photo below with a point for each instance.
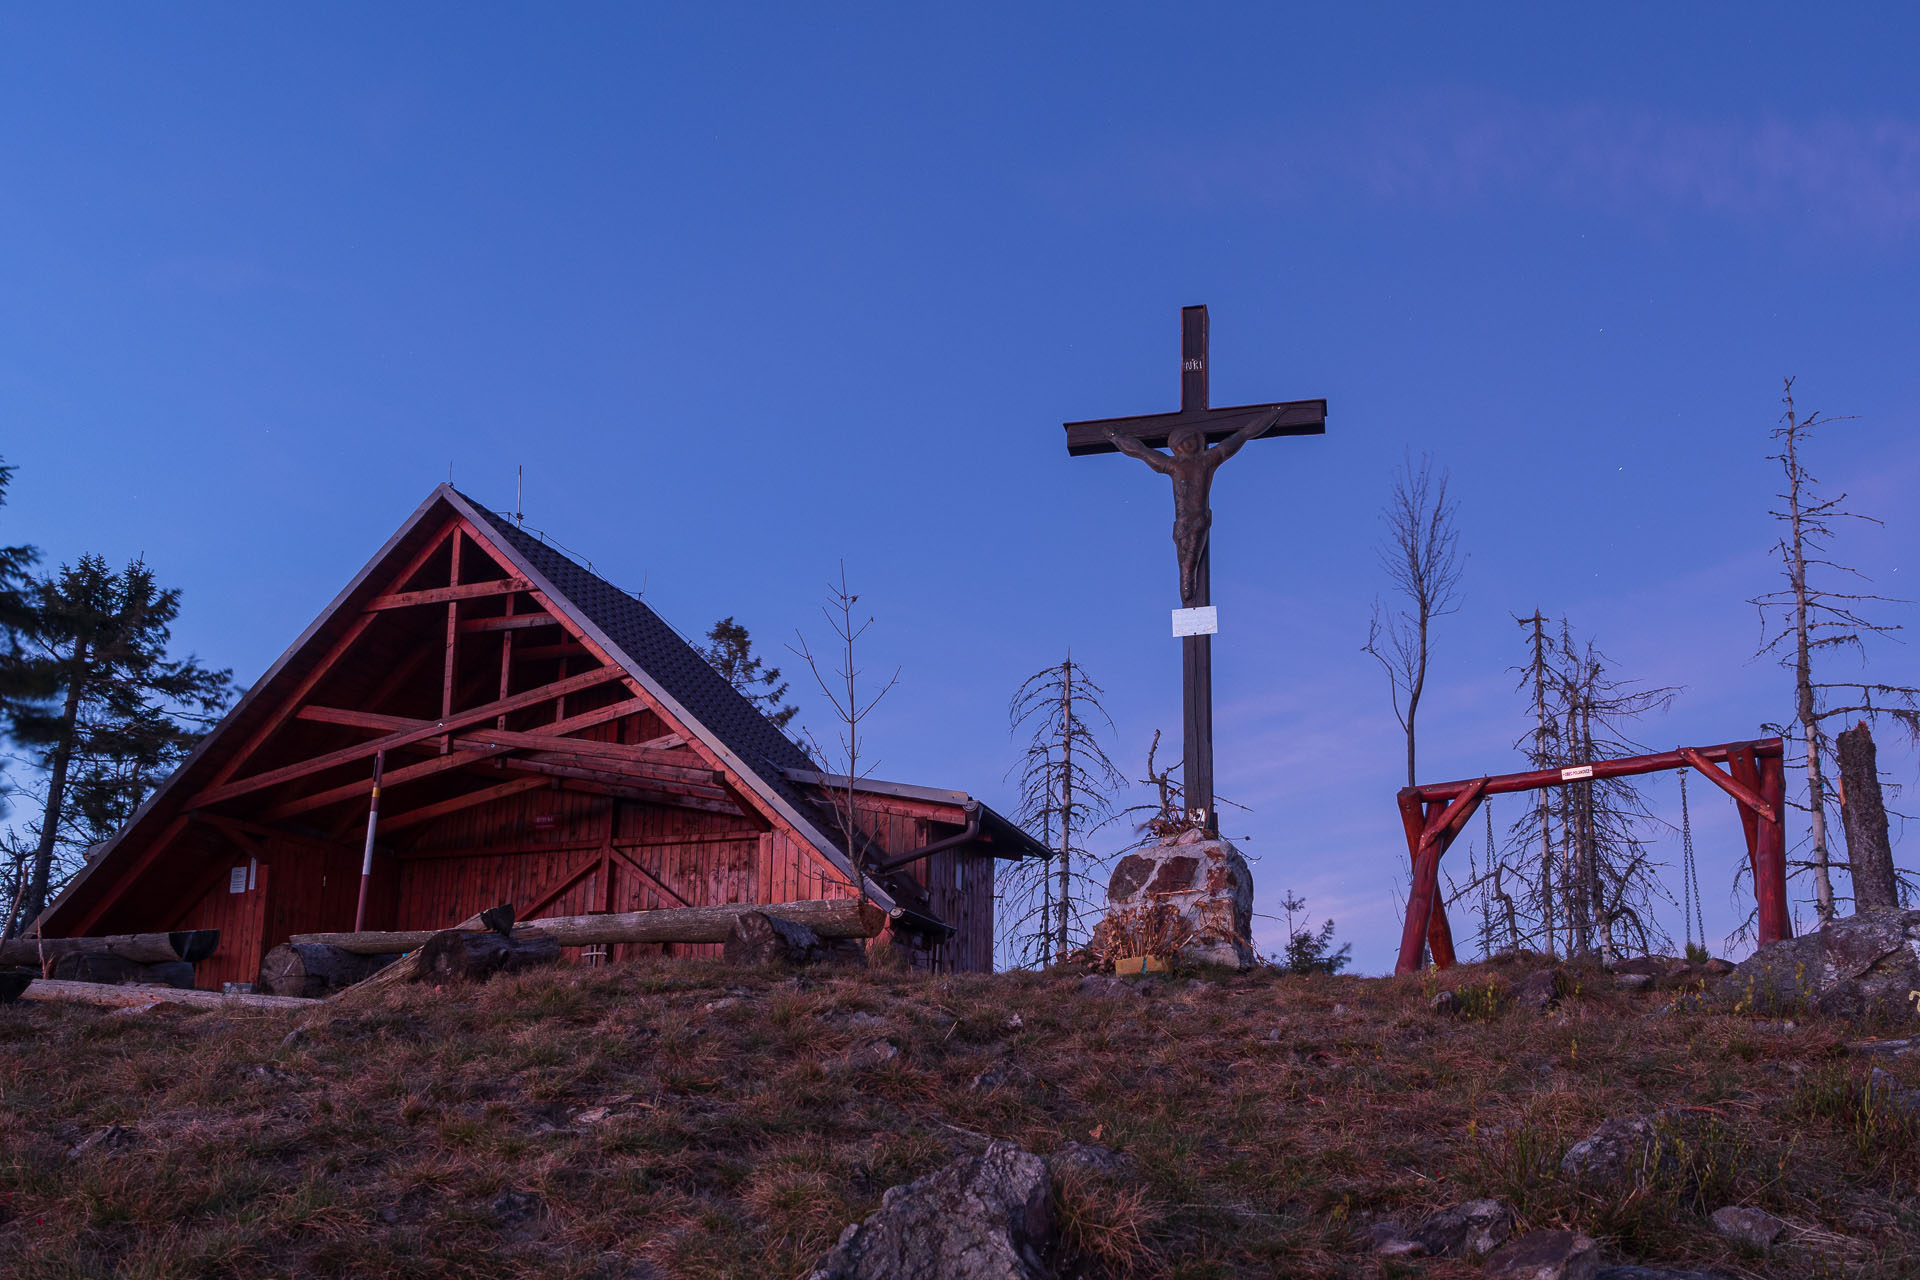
(729, 650)
(100, 707)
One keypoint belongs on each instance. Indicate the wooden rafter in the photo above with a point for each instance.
(448, 594)
(648, 876)
(512, 622)
(337, 650)
(365, 750)
(614, 776)
(408, 773)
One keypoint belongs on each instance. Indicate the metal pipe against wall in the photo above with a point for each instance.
(366, 858)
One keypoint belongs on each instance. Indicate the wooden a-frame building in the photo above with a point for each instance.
(546, 740)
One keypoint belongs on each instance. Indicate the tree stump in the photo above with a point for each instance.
(13, 982)
(758, 938)
(458, 956)
(311, 970)
(1863, 811)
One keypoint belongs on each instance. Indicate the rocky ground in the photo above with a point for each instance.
(675, 1119)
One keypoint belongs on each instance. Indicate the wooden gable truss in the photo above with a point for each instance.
(524, 760)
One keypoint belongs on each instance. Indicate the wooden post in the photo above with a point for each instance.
(366, 858)
(1196, 652)
(1770, 862)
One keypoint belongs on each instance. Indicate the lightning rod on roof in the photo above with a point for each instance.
(519, 485)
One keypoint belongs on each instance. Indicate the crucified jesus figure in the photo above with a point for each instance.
(1191, 469)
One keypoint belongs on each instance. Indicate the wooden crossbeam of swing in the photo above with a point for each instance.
(1740, 792)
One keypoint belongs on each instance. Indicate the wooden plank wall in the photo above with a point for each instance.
(240, 918)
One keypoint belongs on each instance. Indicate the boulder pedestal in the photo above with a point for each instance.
(1206, 880)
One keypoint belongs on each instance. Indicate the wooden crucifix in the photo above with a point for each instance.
(1199, 438)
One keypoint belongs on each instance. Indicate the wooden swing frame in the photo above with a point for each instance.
(1434, 814)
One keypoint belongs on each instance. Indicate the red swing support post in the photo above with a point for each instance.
(1434, 814)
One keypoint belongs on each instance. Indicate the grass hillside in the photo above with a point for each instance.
(680, 1119)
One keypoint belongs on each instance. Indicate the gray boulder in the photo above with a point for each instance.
(1755, 1228)
(1473, 1229)
(1624, 1150)
(984, 1217)
(1858, 968)
(1546, 1255)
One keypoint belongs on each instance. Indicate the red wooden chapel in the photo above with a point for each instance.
(544, 739)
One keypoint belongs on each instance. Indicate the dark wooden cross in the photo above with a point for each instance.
(1289, 418)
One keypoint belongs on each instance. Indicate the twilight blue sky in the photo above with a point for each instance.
(749, 290)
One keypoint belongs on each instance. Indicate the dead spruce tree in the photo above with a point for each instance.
(1575, 873)
(840, 682)
(1067, 785)
(1808, 620)
(1421, 556)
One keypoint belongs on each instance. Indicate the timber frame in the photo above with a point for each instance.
(1435, 813)
(466, 664)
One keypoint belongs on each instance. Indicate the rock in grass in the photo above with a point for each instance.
(1446, 1004)
(1650, 1273)
(1755, 1228)
(860, 1057)
(1087, 1157)
(1473, 1229)
(112, 1138)
(1858, 968)
(1624, 1149)
(983, 1217)
(1540, 991)
(1101, 985)
(1546, 1255)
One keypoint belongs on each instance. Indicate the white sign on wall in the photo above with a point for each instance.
(237, 880)
(1204, 621)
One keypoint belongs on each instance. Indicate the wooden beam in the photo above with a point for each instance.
(361, 751)
(1741, 794)
(681, 759)
(451, 668)
(511, 622)
(613, 777)
(642, 795)
(358, 790)
(447, 595)
(334, 653)
(1297, 418)
(1626, 766)
(589, 842)
(440, 809)
(648, 876)
(547, 652)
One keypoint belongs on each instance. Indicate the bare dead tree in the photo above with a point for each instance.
(840, 682)
(1420, 554)
(1067, 785)
(1808, 619)
(1579, 857)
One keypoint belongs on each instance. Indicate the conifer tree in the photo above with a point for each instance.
(1066, 790)
(729, 650)
(101, 708)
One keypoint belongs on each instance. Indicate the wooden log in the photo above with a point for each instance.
(827, 917)
(97, 966)
(760, 938)
(12, 983)
(309, 970)
(191, 945)
(407, 967)
(462, 956)
(52, 989)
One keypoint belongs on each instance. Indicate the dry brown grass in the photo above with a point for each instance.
(455, 1134)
